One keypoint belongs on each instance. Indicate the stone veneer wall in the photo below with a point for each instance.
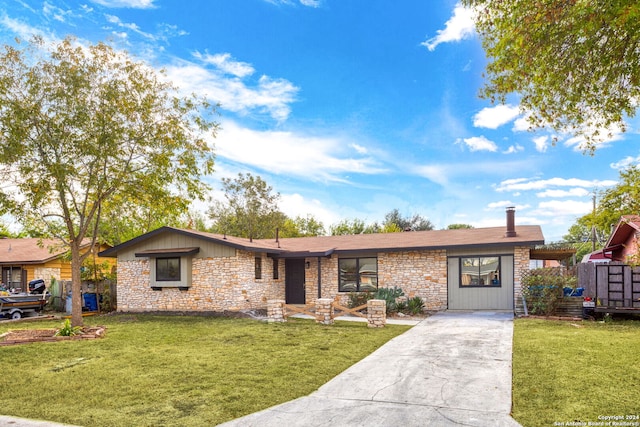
(521, 256)
(217, 284)
(46, 274)
(418, 273)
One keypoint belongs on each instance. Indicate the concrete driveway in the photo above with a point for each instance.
(453, 368)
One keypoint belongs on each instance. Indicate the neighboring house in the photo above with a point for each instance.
(623, 243)
(23, 260)
(171, 269)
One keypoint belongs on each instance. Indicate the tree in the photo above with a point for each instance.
(621, 199)
(414, 223)
(574, 64)
(302, 227)
(84, 127)
(347, 227)
(459, 226)
(250, 209)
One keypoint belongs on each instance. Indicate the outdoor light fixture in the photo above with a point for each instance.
(307, 264)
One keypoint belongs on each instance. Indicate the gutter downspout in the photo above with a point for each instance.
(319, 278)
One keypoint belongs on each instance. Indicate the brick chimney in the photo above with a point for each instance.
(511, 222)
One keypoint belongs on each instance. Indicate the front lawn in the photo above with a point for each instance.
(572, 372)
(154, 370)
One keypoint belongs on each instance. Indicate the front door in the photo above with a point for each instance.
(294, 281)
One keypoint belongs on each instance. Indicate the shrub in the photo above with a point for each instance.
(415, 305)
(357, 299)
(67, 330)
(389, 295)
(543, 288)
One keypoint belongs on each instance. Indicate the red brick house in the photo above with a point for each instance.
(623, 243)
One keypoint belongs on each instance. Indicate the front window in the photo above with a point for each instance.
(258, 268)
(481, 271)
(168, 269)
(358, 274)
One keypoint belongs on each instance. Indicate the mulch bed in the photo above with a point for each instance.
(25, 336)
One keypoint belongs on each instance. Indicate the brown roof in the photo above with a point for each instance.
(415, 240)
(627, 225)
(526, 235)
(29, 251)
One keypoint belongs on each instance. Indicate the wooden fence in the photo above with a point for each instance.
(614, 286)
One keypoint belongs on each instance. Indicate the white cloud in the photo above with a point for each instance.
(563, 208)
(541, 143)
(574, 192)
(521, 124)
(514, 149)
(359, 148)
(460, 26)
(501, 205)
(22, 30)
(494, 117)
(287, 153)
(435, 173)
(625, 163)
(479, 143)
(55, 12)
(266, 95)
(295, 204)
(603, 137)
(309, 3)
(129, 26)
(225, 63)
(524, 184)
(131, 4)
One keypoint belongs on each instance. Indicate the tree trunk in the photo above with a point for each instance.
(76, 286)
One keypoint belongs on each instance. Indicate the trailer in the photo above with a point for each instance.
(15, 306)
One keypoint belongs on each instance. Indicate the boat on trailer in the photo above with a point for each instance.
(14, 306)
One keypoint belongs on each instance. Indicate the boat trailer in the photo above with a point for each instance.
(16, 305)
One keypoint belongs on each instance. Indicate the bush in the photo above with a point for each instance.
(356, 299)
(543, 289)
(67, 330)
(389, 295)
(415, 305)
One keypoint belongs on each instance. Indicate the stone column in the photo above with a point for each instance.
(324, 311)
(276, 311)
(376, 313)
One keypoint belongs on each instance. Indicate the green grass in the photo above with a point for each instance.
(575, 371)
(177, 370)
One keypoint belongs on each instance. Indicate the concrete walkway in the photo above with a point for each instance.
(452, 369)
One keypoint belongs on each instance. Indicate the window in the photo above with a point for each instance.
(258, 268)
(167, 269)
(358, 274)
(275, 269)
(481, 271)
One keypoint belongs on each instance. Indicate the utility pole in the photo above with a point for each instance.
(593, 225)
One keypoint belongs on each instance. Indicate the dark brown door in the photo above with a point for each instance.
(294, 281)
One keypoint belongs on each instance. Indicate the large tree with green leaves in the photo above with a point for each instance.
(83, 127)
(394, 219)
(302, 227)
(594, 228)
(574, 64)
(250, 209)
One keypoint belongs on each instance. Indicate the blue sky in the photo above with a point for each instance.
(350, 109)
